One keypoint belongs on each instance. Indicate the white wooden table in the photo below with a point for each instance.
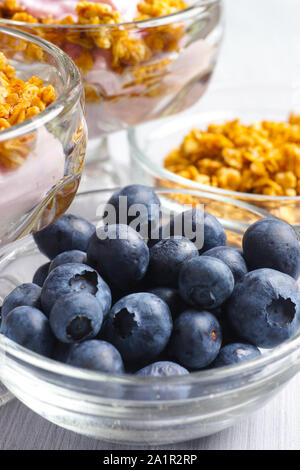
(261, 43)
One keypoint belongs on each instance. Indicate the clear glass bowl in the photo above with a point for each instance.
(51, 145)
(123, 91)
(151, 143)
(130, 409)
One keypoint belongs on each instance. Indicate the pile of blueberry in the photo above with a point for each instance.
(112, 301)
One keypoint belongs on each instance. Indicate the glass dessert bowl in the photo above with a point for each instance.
(132, 409)
(42, 156)
(251, 103)
(140, 60)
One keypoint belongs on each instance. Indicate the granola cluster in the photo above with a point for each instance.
(19, 100)
(262, 158)
(155, 8)
(125, 48)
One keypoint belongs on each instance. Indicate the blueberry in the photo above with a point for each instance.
(120, 255)
(229, 335)
(205, 282)
(131, 197)
(166, 259)
(232, 258)
(96, 355)
(162, 369)
(72, 256)
(196, 339)
(74, 277)
(139, 325)
(214, 233)
(264, 308)
(171, 297)
(61, 351)
(41, 274)
(29, 327)
(272, 243)
(76, 317)
(69, 232)
(156, 236)
(210, 232)
(235, 353)
(26, 294)
(162, 390)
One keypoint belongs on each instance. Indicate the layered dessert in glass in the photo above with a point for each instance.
(139, 59)
(42, 133)
(42, 139)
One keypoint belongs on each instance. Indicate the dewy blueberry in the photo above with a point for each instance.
(235, 353)
(166, 259)
(95, 355)
(139, 325)
(162, 369)
(119, 254)
(232, 258)
(272, 243)
(74, 277)
(163, 391)
(171, 297)
(41, 274)
(199, 226)
(26, 294)
(229, 335)
(76, 317)
(72, 256)
(134, 203)
(264, 308)
(29, 327)
(196, 339)
(205, 282)
(69, 232)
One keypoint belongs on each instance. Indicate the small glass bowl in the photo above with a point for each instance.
(51, 145)
(123, 92)
(151, 143)
(130, 409)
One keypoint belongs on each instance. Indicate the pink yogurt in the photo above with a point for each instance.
(24, 188)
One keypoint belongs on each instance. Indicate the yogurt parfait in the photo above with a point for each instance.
(139, 59)
(42, 133)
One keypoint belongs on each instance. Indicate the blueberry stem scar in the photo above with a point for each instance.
(124, 322)
(280, 312)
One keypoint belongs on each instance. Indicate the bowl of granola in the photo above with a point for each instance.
(242, 143)
(139, 59)
(42, 133)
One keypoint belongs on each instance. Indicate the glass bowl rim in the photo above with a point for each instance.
(72, 90)
(210, 377)
(149, 23)
(161, 172)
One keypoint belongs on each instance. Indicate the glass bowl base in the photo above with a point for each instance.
(5, 395)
